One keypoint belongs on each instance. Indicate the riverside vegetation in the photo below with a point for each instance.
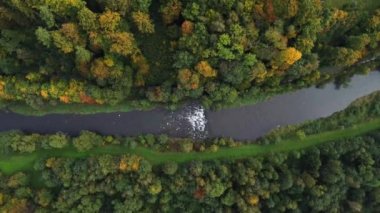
(107, 55)
(331, 164)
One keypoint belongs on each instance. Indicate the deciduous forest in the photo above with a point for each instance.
(82, 56)
(143, 52)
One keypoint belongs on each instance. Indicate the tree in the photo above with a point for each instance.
(170, 168)
(122, 43)
(196, 168)
(253, 200)
(188, 79)
(132, 163)
(47, 16)
(82, 55)
(204, 68)
(358, 42)
(107, 164)
(88, 20)
(17, 180)
(109, 21)
(86, 141)
(62, 43)
(343, 57)
(24, 144)
(286, 8)
(187, 27)
(71, 32)
(186, 146)
(143, 22)
(155, 188)
(171, 11)
(43, 36)
(141, 5)
(229, 198)
(44, 197)
(275, 37)
(58, 140)
(99, 69)
(215, 189)
(290, 55)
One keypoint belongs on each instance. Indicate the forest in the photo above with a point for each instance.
(117, 55)
(143, 53)
(315, 166)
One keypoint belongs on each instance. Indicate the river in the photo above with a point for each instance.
(245, 123)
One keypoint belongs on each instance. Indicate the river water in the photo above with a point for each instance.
(249, 122)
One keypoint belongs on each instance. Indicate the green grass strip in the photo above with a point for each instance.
(25, 162)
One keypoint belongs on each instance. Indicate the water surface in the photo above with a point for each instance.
(248, 122)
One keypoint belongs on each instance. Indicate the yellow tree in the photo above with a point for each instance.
(123, 43)
(253, 200)
(99, 69)
(143, 22)
(290, 55)
(71, 32)
(2, 86)
(129, 163)
(109, 20)
(204, 68)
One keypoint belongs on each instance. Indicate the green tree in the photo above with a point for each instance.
(82, 55)
(58, 140)
(186, 146)
(47, 16)
(215, 189)
(86, 141)
(87, 19)
(170, 168)
(43, 36)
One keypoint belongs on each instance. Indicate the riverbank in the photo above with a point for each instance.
(25, 162)
(243, 123)
(63, 172)
(255, 96)
(251, 97)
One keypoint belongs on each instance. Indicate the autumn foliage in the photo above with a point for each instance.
(187, 27)
(214, 51)
(204, 68)
(129, 163)
(109, 20)
(122, 43)
(290, 55)
(188, 79)
(143, 22)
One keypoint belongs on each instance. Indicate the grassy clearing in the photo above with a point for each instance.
(23, 162)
